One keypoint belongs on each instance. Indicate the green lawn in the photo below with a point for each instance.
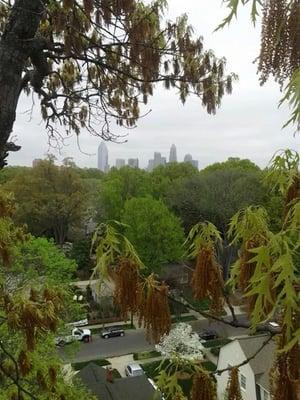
(100, 361)
(216, 343)
(146, 354)
(183, 318)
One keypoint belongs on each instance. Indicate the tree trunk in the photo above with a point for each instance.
(15, 46)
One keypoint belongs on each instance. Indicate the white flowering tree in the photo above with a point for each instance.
(181, 342)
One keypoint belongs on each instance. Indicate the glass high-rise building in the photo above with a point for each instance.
(133, 162)
(103, 157)
(173, 154)
(120, 162)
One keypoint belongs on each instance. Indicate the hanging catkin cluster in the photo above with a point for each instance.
(280, 39)
(207, 280)
(233, 391)
(127, 287)
(285, 374)
(247, 268)
(154, 311)
(203, 387)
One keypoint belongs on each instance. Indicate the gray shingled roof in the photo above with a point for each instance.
(262, 363)
(137, 387)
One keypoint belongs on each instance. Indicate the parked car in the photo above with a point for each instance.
(208, 334)
(78, 334)
(134, 369)
(112, 331)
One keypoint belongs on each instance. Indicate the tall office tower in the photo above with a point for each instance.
(133, 162)
(157, 159)
(103, 157)
(195, 163)
(36, 161)
(173, 154)
(188, 158)
(150, 165)
(120, 162)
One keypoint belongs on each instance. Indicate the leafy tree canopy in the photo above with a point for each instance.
(215, 195)
(233, 163)
(154, 231)
(50, 199)
(40, 257)
(94, 61)
(164, 177)
(30, 312)
(118, 187)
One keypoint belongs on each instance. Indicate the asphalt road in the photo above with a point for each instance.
(134, 341)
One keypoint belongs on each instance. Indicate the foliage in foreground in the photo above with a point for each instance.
(267, 273)
(30, 312)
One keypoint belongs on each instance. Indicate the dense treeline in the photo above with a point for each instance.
(158, 208)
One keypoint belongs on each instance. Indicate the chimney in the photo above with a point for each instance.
(109, 375)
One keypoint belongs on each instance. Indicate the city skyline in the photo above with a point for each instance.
(157, 160)
(247, 125)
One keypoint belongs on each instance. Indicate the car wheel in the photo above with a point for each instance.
(61, 343)
(86, 339)
(122, 334)
(106, 336)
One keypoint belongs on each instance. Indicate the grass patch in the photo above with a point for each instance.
(201, 305)
(146, 354)
(216, 343)
(116, 374)
(100, 362)
(183, 318)
(215, 351)
(96, 331)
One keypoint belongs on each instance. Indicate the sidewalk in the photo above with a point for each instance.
(196, 314)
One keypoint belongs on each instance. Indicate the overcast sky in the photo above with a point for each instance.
(248, 124)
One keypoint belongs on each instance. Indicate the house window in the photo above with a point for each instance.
(243, 382)
(184, 279)
(265, 394)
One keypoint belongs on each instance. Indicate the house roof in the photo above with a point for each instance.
(263, 361)
(94, 378)
(137, 387)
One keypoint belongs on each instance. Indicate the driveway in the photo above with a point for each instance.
(132, 342)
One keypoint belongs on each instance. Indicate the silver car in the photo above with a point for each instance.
(134, 369)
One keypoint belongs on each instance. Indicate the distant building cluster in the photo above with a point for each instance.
(157, 160)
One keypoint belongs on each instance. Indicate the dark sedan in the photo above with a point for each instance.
(112, 331)
(208, 334)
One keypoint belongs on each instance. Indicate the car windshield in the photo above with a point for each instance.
(78, 332)
(137, 372)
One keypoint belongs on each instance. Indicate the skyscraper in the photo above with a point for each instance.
(133, 162)
(150, 165)
(188, 158)
(120, 162)
(173, 154)
(157, 159)
(103, 157)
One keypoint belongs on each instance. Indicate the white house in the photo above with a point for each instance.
(253, 376)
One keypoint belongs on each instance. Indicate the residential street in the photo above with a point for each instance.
(134, 341)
